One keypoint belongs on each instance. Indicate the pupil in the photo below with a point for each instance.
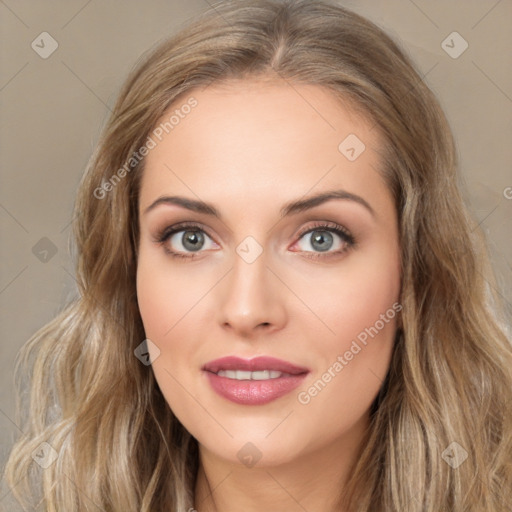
(323, 238)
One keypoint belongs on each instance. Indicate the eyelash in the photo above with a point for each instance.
(163, 236)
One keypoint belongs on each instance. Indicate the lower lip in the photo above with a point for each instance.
(254, 392)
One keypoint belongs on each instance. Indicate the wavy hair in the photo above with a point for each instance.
(82, 390)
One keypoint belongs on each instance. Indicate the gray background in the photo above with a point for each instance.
(53, 109)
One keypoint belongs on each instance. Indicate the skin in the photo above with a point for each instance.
(249, 147)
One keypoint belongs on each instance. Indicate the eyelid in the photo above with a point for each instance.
(163, 234)
(328, 225)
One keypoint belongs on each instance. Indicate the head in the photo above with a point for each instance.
(250, 109)
(300, 287)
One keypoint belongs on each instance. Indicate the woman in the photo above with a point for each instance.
(284, 304)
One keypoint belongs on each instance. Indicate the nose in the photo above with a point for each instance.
(252, 299)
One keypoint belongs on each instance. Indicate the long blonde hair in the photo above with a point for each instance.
(119, 446)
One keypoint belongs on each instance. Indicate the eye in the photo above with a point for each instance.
(188, 239)
(326, 239)
(184, 240)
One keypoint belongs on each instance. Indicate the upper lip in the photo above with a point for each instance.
(253, 365)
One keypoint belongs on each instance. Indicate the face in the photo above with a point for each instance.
(268, 275)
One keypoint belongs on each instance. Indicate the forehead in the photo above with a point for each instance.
(251, 140)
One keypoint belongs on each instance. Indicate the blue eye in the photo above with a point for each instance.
(190, 239)
(324, 237)
(189, 235)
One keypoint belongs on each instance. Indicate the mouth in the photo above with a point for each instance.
(245, 368)
(254, 381)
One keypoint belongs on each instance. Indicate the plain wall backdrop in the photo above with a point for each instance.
(54, 105)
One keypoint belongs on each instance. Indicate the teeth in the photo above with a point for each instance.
(245, 375)
(261, 375)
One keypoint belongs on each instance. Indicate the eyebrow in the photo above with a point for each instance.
(290, 208)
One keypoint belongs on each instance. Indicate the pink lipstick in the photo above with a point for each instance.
(254, 381)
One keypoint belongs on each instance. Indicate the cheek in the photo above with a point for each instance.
(353, 298)
(167, 295)
(360, 307)
(171, 304)
(164, 302)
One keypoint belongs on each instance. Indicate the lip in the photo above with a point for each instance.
(253, 365)
(254, 392)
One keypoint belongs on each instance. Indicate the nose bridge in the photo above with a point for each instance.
(250, 297)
